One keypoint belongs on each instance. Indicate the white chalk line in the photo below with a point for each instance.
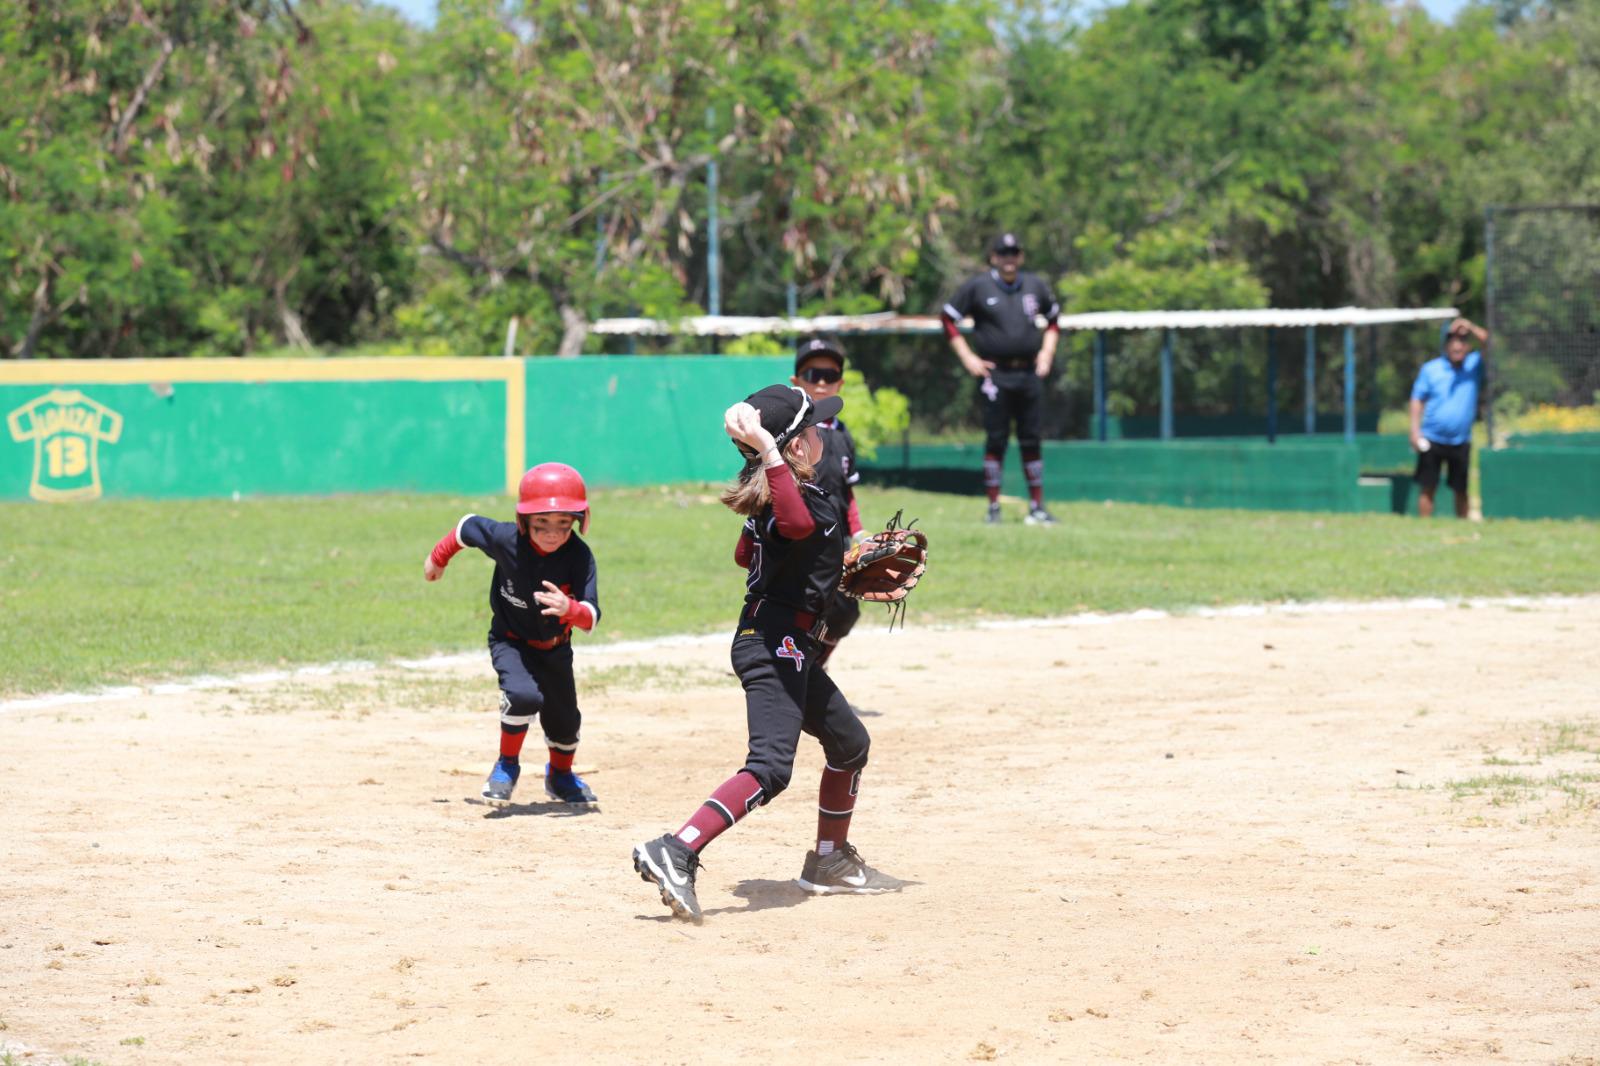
(209, 682)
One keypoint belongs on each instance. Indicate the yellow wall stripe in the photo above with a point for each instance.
(140, 371)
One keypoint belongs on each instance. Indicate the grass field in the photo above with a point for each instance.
(126, 591)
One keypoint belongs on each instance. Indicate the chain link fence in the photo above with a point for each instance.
(1543, 292)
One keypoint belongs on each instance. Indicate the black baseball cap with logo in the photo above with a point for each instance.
(786, 411)
(1006, 242)
(814, 346)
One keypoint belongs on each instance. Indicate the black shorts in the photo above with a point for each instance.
(1455, 456)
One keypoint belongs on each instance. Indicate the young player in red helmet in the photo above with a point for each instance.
(544, 586)
(793, 550)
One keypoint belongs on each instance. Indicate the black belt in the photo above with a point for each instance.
(765, 608)
(1012, 364)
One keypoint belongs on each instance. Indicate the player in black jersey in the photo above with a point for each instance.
(1013, 356)
(819, 370)
(544, 585)
(792, 549)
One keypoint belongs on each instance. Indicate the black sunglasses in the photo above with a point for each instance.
(821, 375)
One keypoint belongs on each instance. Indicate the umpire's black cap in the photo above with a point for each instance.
(785, 411)
(810, 346)
(1006, 242)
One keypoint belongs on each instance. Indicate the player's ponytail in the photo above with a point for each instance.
(749, 494)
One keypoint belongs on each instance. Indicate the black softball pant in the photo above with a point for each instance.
(534, 682)
(784, 696)
(1011, 395)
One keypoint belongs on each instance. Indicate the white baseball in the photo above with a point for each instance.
(1423, 444)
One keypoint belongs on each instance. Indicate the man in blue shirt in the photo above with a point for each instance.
(1444, 404)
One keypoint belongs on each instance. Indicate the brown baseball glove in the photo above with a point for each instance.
(886, 566)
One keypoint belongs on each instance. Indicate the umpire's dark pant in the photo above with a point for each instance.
(785, 696)
(1011, 394)
(534, 682)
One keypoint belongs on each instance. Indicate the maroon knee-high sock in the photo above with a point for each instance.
(1033, 473)
(733, 799)
(991, 477)
(836, 802)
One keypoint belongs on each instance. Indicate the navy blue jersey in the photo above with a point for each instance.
(520, 571)
(800, 574)
(1005, 317)
(836, 470)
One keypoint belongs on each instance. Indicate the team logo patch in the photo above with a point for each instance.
(1030, 304)
(509, 594)
(788, 650)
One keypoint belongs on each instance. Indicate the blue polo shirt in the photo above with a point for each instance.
(1449, 395)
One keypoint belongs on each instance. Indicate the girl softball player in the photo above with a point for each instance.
(544, 586)
(793, 549)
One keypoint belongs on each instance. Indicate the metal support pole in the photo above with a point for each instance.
(1489, 314)
(1100, 384)
(791, 298)
(1272, 387)
(1349, 384)
(1311, 380)
(713, 248)
(1166, 385)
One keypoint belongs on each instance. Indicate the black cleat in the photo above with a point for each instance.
(670, 866)
(993, 517)
(844, 871)
(1038, 516)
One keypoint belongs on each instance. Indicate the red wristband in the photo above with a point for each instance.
(577, 614)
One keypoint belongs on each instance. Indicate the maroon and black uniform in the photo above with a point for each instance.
(793, 552)
(1006, 332)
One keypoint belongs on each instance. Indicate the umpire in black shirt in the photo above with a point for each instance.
(1008, 307)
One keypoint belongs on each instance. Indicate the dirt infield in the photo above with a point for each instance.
(1335, 837)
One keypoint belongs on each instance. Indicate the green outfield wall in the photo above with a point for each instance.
(1294, 474)
(1541, 481)
(1309, 476)
(188, 428)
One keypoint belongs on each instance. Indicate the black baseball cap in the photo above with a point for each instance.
(1006, 242)
(810, 346)
(785, 411)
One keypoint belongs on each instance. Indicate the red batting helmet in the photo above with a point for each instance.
(551, 487)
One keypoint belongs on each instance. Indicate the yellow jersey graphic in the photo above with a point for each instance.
(66, 428)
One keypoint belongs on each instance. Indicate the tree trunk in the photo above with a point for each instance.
(293, 331)
(41, 316)
(574, 331)
(119, 139)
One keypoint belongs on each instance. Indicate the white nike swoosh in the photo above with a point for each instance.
(830, 529)
(672, 874)
(858, 879)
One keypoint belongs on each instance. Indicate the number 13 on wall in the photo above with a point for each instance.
(67, 429)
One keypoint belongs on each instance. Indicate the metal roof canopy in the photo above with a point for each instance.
(889, 323)
(1099, 322)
